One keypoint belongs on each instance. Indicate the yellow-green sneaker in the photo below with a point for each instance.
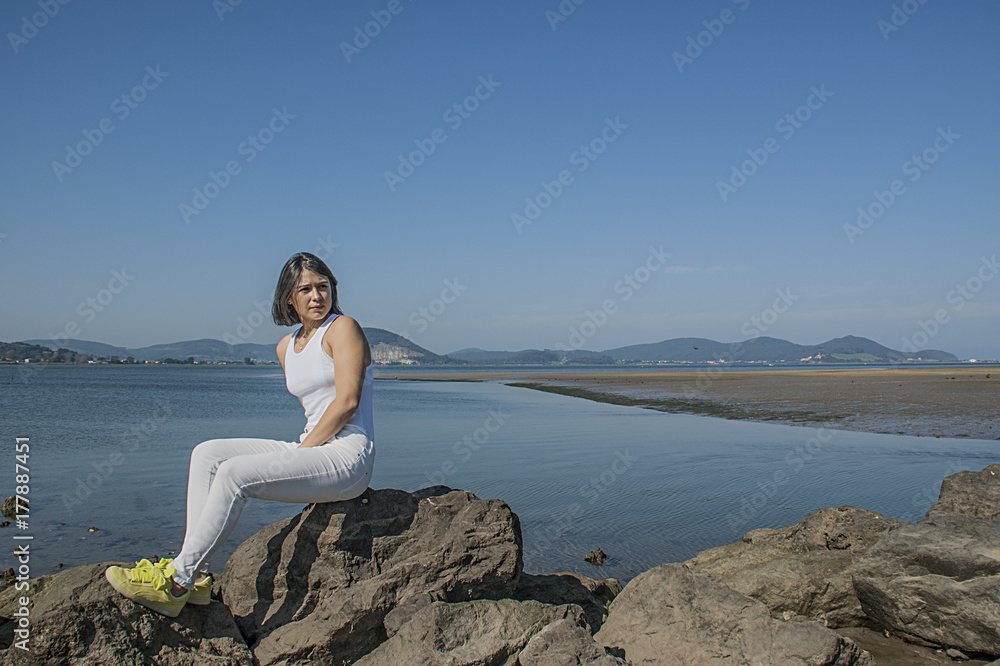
(149, 587)
(202, 593)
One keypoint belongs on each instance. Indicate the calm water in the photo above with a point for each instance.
(110, 447)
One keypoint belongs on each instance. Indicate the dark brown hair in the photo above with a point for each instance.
(282, 311)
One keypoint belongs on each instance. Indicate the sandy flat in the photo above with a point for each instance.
(941, 402)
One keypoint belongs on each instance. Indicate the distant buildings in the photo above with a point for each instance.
(385, 354)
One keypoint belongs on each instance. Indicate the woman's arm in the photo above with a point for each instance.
(345, 343)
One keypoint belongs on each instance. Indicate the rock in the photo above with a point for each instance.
(803, 570)
(9, 507)
(316, 588)
(893, 651)
(975, 494)
(957, 655)
(671, 614)
(483, 631)
(592, 595)
(77, 617)
(596, 557)
(565, 643)
(936, 581)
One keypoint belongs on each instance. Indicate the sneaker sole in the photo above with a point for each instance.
(145, 603)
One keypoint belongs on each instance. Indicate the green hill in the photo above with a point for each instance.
(210, 349)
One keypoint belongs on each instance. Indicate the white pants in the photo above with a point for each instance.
(226, 472)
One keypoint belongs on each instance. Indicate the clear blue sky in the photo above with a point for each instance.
(673, 130)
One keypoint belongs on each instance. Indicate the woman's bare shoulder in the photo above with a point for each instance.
(347, 321)
(346, 329)
(343, 328)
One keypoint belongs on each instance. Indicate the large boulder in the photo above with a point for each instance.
(975, 494)
(565, 643)
(476, 632)
(316, 588)
(671, 614)
(804, 570)
(937, 580)
(77, 617)
(591, 594)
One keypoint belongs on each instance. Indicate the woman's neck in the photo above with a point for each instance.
(308, 328)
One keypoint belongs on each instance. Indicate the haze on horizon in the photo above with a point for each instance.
(498, 176)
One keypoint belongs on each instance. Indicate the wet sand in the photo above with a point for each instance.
(931, 402)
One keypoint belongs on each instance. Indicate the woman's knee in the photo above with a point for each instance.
(211, 451)
(232, 475)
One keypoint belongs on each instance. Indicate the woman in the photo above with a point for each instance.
(332, 461)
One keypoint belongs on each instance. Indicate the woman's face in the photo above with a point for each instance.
(312, 297)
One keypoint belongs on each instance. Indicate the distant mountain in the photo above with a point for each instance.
(850, 349)
(531, 356)
(23, 352)
(477, 355)
(678, 350)
(853, 345)
(206, 349)
(82, 347)
(390, 348)
(387, 347)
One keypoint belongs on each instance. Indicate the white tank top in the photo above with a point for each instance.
(309, 374)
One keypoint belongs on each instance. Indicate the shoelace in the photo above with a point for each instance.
(152, 575)
(166, 566)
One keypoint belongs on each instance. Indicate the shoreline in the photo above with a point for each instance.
(925, 402)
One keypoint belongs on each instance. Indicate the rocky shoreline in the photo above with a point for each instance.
(435, 577)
